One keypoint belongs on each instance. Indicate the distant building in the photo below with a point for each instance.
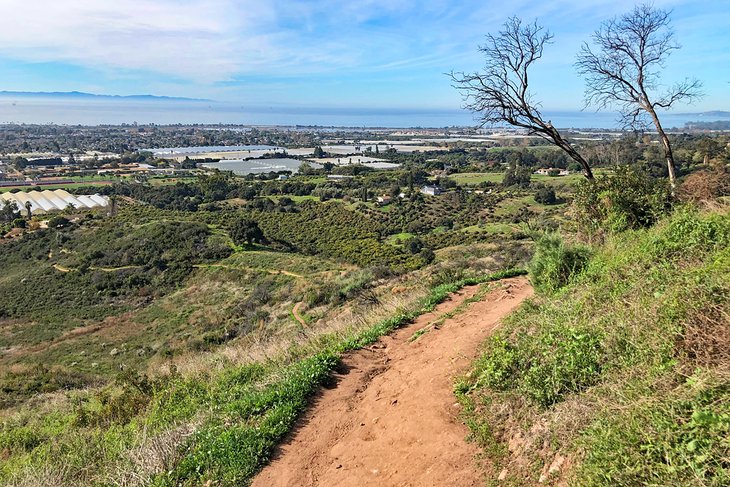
(552, 171)
(339, 176)
(384, 200)
(431, 190)
(283, 177)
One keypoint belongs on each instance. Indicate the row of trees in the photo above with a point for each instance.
(621, 67)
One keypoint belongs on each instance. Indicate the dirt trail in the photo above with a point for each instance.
(297, 315)
(240, 268)
(392, 418)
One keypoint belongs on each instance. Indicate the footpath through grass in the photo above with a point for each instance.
(176, 430)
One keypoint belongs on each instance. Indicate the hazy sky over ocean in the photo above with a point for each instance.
(371, 53)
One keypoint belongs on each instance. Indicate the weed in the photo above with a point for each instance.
(555, 263)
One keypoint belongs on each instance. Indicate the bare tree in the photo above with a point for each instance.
(623, 71)
(500, 94)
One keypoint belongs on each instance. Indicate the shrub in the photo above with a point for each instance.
(705, 185)
(555, 263)
(58, 222)
(567, 360)
(517, 176)
(546, 196)
(246, 231)
(627, 199)
(687, 235)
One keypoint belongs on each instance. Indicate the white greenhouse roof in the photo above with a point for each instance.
(44, 201)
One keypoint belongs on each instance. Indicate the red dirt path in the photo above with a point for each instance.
(392, 418)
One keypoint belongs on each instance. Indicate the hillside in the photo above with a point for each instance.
(80, 95)
(187, 333)
(621, 376)
(156, 347)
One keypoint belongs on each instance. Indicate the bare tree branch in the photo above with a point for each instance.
(623, 68)
(500, 93)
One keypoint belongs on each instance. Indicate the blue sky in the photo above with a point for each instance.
(370, 53)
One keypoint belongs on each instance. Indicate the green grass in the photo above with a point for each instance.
(399, 238)
(493, 228)
(475, 178)
(622, 365)
(164, 181)
(295, 198)
(510, 206)
(436, 324)
(570, 179)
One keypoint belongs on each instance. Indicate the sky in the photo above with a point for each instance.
(322, 53)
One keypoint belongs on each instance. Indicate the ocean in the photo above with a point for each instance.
(115, 112)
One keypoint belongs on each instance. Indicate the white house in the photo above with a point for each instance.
(546, 171)
(431, 190)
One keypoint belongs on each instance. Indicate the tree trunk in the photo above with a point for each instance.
(667, 150)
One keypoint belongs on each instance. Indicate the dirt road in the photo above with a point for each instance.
(392, 418)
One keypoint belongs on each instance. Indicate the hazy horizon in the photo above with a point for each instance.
(85, 111)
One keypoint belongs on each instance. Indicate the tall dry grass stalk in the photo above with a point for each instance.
(265, 344)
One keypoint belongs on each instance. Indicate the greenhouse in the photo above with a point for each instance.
(46, 201)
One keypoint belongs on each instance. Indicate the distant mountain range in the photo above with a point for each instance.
(713, 113)
(76, 95)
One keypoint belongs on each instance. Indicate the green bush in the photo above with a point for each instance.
(517, 176)
(628, 198)
(566, 360)
(546, 196)
(499, 368)
(58, 222)
(555, 263)
(244, 231)
(688, 235)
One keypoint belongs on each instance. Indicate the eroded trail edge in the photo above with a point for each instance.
(392, 418)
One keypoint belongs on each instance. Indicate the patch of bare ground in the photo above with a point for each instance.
(392, 418)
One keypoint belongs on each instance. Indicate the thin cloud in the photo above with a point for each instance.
(206, 47)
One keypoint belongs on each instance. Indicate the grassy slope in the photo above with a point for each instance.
(219, 425)
(229, 295)
(624, 372)
(475, 178)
